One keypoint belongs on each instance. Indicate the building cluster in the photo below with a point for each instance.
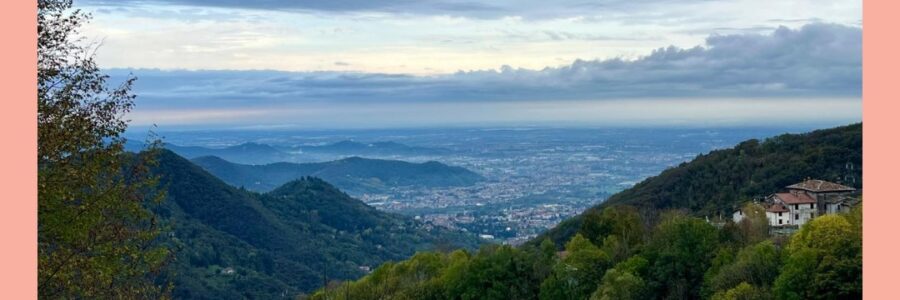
(803, 201)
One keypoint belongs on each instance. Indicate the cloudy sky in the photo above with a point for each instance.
(402, 63)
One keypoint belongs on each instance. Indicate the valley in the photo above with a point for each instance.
(523, 181)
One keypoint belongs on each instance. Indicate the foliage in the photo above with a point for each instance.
(577, 275)
(96, 237)
(743, 291)
(620, 229)
(715, 183)
(757, 265)
(754, 227)
(668, 254)
(680, 251)
(282, 243)
(683, 258)
(824, 261)
(496, 272)
(624, 281)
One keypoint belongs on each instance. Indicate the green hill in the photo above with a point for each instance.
(232, 243)
(652, 242)
(246, 153)
(355, 175)
(717, 182)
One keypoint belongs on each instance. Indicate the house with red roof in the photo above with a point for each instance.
(806, 200)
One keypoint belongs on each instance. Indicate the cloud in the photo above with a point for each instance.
(394, 6)
(663, 10)
(816, 60)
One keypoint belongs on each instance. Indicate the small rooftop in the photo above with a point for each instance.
(798, 198)
(818, 186)
(777, 207)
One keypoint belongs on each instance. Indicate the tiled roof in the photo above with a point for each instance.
(799, 198)
(815, 185)
(777, 207)
(840, 199)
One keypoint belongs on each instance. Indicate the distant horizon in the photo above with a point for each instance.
(133, 129)
(659, 113)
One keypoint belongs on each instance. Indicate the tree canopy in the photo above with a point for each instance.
(96, 236)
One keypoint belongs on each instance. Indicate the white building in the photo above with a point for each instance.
(804, 201)
(778, 215)
(798, 207)
(830, 197)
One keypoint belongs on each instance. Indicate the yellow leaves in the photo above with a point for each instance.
(826, 233)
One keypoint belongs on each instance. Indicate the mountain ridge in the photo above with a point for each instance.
(233, 243)
(353, 174)
(715, 183)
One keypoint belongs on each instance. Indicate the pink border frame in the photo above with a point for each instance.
(880, 164)
(18, 216)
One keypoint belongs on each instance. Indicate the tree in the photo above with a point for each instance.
(754, 227)
(496, 272)
(624, 281)
(96, 237)
(680, 252)
(757, 265)
(579, 272)
(619, 229)
(824, 261)
(743, 291)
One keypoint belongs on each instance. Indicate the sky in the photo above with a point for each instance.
(415, 63)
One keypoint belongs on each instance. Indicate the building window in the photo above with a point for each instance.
(779, 214)
(796, 216)
(811, 215)
(780, 221)
(810, 205)
(796, 206)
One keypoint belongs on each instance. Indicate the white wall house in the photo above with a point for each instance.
(804, 201)
(778, 215)
(800, 207)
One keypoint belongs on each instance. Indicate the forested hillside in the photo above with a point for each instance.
(354, 175)
(651, 241)
(231, 243)
(676, 257)
(716, 183)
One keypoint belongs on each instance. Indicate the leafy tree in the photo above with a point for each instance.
(577, 275)
(757, 265)
(619, 229)
(624, 281)
(824, 261)
(743, 291)
(680, 252)
(546, 259)
(496, 272)
(96, 238)
(754, 227)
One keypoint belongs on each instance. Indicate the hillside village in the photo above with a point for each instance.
(801, 202)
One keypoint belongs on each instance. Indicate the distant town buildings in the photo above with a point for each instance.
(804, 201)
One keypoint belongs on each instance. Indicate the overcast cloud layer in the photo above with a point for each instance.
(482, 9)
(424, 37)
(817, 60)
(443, 62)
